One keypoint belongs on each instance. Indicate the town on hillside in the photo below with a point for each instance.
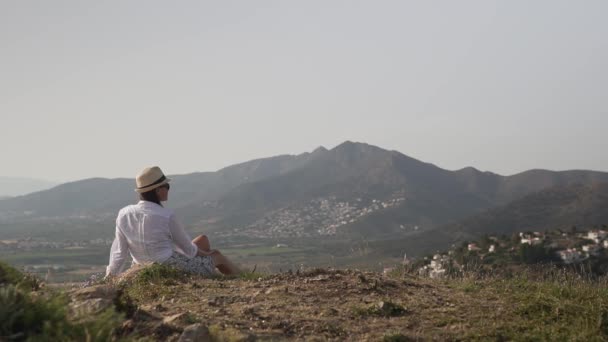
(573, 247)
(318, 217)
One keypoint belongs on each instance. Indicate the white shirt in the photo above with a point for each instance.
(148, 232)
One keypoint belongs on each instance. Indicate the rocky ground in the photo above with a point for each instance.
(314, 305)
(345, 305)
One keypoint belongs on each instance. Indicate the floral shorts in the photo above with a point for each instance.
(202, 265)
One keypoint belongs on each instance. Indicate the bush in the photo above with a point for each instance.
(44, 317)
(10, 276)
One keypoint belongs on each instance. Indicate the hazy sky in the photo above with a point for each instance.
(105, 88)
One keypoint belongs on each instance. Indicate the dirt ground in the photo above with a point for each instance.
(321, 305)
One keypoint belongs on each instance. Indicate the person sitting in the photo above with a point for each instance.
(151, 233)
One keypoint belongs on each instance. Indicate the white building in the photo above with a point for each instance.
(473, 247)
(592, 249)
(437, 274)
(531, 240)
(596, 235)
(435, 269)
(570, 256)
(492, 249)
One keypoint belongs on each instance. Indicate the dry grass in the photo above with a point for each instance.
(353, 305)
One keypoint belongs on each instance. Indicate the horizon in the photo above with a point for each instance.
(107, 88)
(58, 182)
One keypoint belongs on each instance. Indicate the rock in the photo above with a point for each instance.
(162, 331)
(99, 291)
(176, 319)
(144, 315)
(195, 333)
(91, 306)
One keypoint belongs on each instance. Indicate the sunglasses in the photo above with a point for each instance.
(166, 186)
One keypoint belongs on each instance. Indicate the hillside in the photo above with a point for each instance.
(351, 191)
(558, 207)
(101, 197)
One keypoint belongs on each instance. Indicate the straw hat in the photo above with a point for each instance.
(150, 178)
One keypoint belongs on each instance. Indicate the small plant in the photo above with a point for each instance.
(190, 318)
(45, 318)
(152, 281)
(251, 276)
(159, 273)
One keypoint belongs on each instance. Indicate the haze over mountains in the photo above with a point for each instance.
(352, 190)
(16, 186)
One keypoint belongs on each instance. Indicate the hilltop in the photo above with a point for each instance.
(319, 304)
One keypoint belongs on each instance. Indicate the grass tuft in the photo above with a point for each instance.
(44, 317)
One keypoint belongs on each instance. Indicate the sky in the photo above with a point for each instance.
(106, 88)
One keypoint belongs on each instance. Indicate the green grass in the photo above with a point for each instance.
(152, 282)
(10, 276)
(44, 316)
(563, 308)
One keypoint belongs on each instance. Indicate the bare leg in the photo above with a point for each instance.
(221, 262)
(202, 242)
(224, 265)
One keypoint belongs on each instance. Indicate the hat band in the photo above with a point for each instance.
(160, 180)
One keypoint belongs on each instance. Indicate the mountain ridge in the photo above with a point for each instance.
(351, 175)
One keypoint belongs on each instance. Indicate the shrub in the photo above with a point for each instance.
(10, 276)
(44, 317)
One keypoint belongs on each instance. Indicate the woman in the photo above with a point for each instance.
(149, 232)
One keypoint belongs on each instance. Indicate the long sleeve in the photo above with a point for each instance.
(118, 253)
(180, 238)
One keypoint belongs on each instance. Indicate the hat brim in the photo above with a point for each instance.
(152, 187)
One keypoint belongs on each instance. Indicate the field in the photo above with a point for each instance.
(78, 264)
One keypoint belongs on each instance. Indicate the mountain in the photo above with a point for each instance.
(355, 170)
(102, 198)
(557, 207)
(15, 186)
(353, 189)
